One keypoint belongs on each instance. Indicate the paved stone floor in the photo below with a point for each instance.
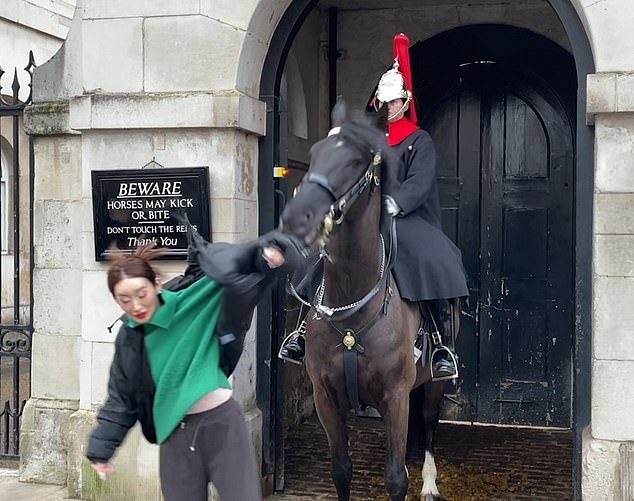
(11, 489)
(474, 463)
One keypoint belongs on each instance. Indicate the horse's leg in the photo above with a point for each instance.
(334, 424)
(395, 415)
(434, 392)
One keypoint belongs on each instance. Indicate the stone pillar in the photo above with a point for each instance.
(607, 463)
(57, 309)
(135, 81)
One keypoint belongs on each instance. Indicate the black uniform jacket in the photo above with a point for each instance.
(245, 275)
(428, 264)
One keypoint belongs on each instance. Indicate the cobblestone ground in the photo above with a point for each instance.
(474, 463)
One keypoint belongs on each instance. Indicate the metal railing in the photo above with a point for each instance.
(16, 262)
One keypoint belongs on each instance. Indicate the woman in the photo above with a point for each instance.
(173, 356)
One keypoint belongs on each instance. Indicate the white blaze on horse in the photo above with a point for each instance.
(358, 319)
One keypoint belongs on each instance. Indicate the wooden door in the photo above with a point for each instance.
(505, 150)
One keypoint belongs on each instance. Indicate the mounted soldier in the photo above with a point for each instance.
(428, 266)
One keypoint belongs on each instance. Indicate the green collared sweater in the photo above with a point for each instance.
(183, 351)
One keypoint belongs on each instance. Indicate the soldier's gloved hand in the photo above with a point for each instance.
(391, 207)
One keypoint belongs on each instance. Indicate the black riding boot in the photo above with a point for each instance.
(293, 346)
(443, 360)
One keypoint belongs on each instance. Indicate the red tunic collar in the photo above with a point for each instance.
(398, 131)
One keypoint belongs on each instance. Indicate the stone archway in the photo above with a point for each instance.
(572, 16)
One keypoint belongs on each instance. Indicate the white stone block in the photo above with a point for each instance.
(99, 308)
(613, 325)
(226, 12)
(610, 29)
(55, 368)
(98, 9)
(102, 354)
(85, 370)
(601, 94)
(190, 54)
(613, 213)
(614, 255)
(164, 111)
(56, 312)
(227, 215)
(250, 65)
(625, 92)
(113, 55)
(613, 400)
(244, 376)
(599, 465)
(104, 150)
(614, 136)
(57, 234)
(58, 168)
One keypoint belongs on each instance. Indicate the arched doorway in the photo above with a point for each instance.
(501, 122)
(582, 209)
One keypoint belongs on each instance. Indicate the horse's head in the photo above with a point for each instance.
(343, 167)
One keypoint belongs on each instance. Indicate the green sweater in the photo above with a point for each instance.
(184, 354)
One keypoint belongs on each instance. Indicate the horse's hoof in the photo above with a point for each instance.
(431, 497)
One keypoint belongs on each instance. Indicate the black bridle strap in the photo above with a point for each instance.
(321, 181)
(351, 376)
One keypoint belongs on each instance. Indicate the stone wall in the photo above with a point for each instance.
(606, 468)
(179, 82)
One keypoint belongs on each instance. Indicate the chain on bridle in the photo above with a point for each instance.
(334, 217)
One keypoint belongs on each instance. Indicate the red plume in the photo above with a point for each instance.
(401, 53)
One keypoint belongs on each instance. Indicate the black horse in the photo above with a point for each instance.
(358, 313)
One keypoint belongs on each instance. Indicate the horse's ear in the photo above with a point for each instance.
(339, 113)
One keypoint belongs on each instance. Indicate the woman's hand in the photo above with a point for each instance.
(273, 257)
(103, 469)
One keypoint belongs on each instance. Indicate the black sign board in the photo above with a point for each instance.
(133, 205)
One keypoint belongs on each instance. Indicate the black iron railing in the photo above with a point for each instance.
(16, 263)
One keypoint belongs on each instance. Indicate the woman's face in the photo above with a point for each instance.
(138, 297)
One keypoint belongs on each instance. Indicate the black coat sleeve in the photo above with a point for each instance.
(117, 415)
(420, 175)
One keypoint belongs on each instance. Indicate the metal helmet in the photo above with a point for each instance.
(392, 85)
(397, 84)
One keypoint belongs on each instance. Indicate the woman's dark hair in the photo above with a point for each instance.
(136, 265)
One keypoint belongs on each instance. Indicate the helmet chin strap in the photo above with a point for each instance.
(400, 112)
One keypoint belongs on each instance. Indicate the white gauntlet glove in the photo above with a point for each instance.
(391, 206)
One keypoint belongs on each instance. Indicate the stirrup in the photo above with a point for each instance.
(301, 331)
(438, 349)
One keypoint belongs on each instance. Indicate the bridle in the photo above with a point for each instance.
(340, 206)
(351, 339)
(334, 217)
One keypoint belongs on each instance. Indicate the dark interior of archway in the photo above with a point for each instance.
(439, 59)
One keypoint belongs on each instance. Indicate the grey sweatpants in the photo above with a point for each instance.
(213, 446)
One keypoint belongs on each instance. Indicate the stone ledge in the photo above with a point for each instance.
(609, 93)
(48, 119)
(168, 111)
